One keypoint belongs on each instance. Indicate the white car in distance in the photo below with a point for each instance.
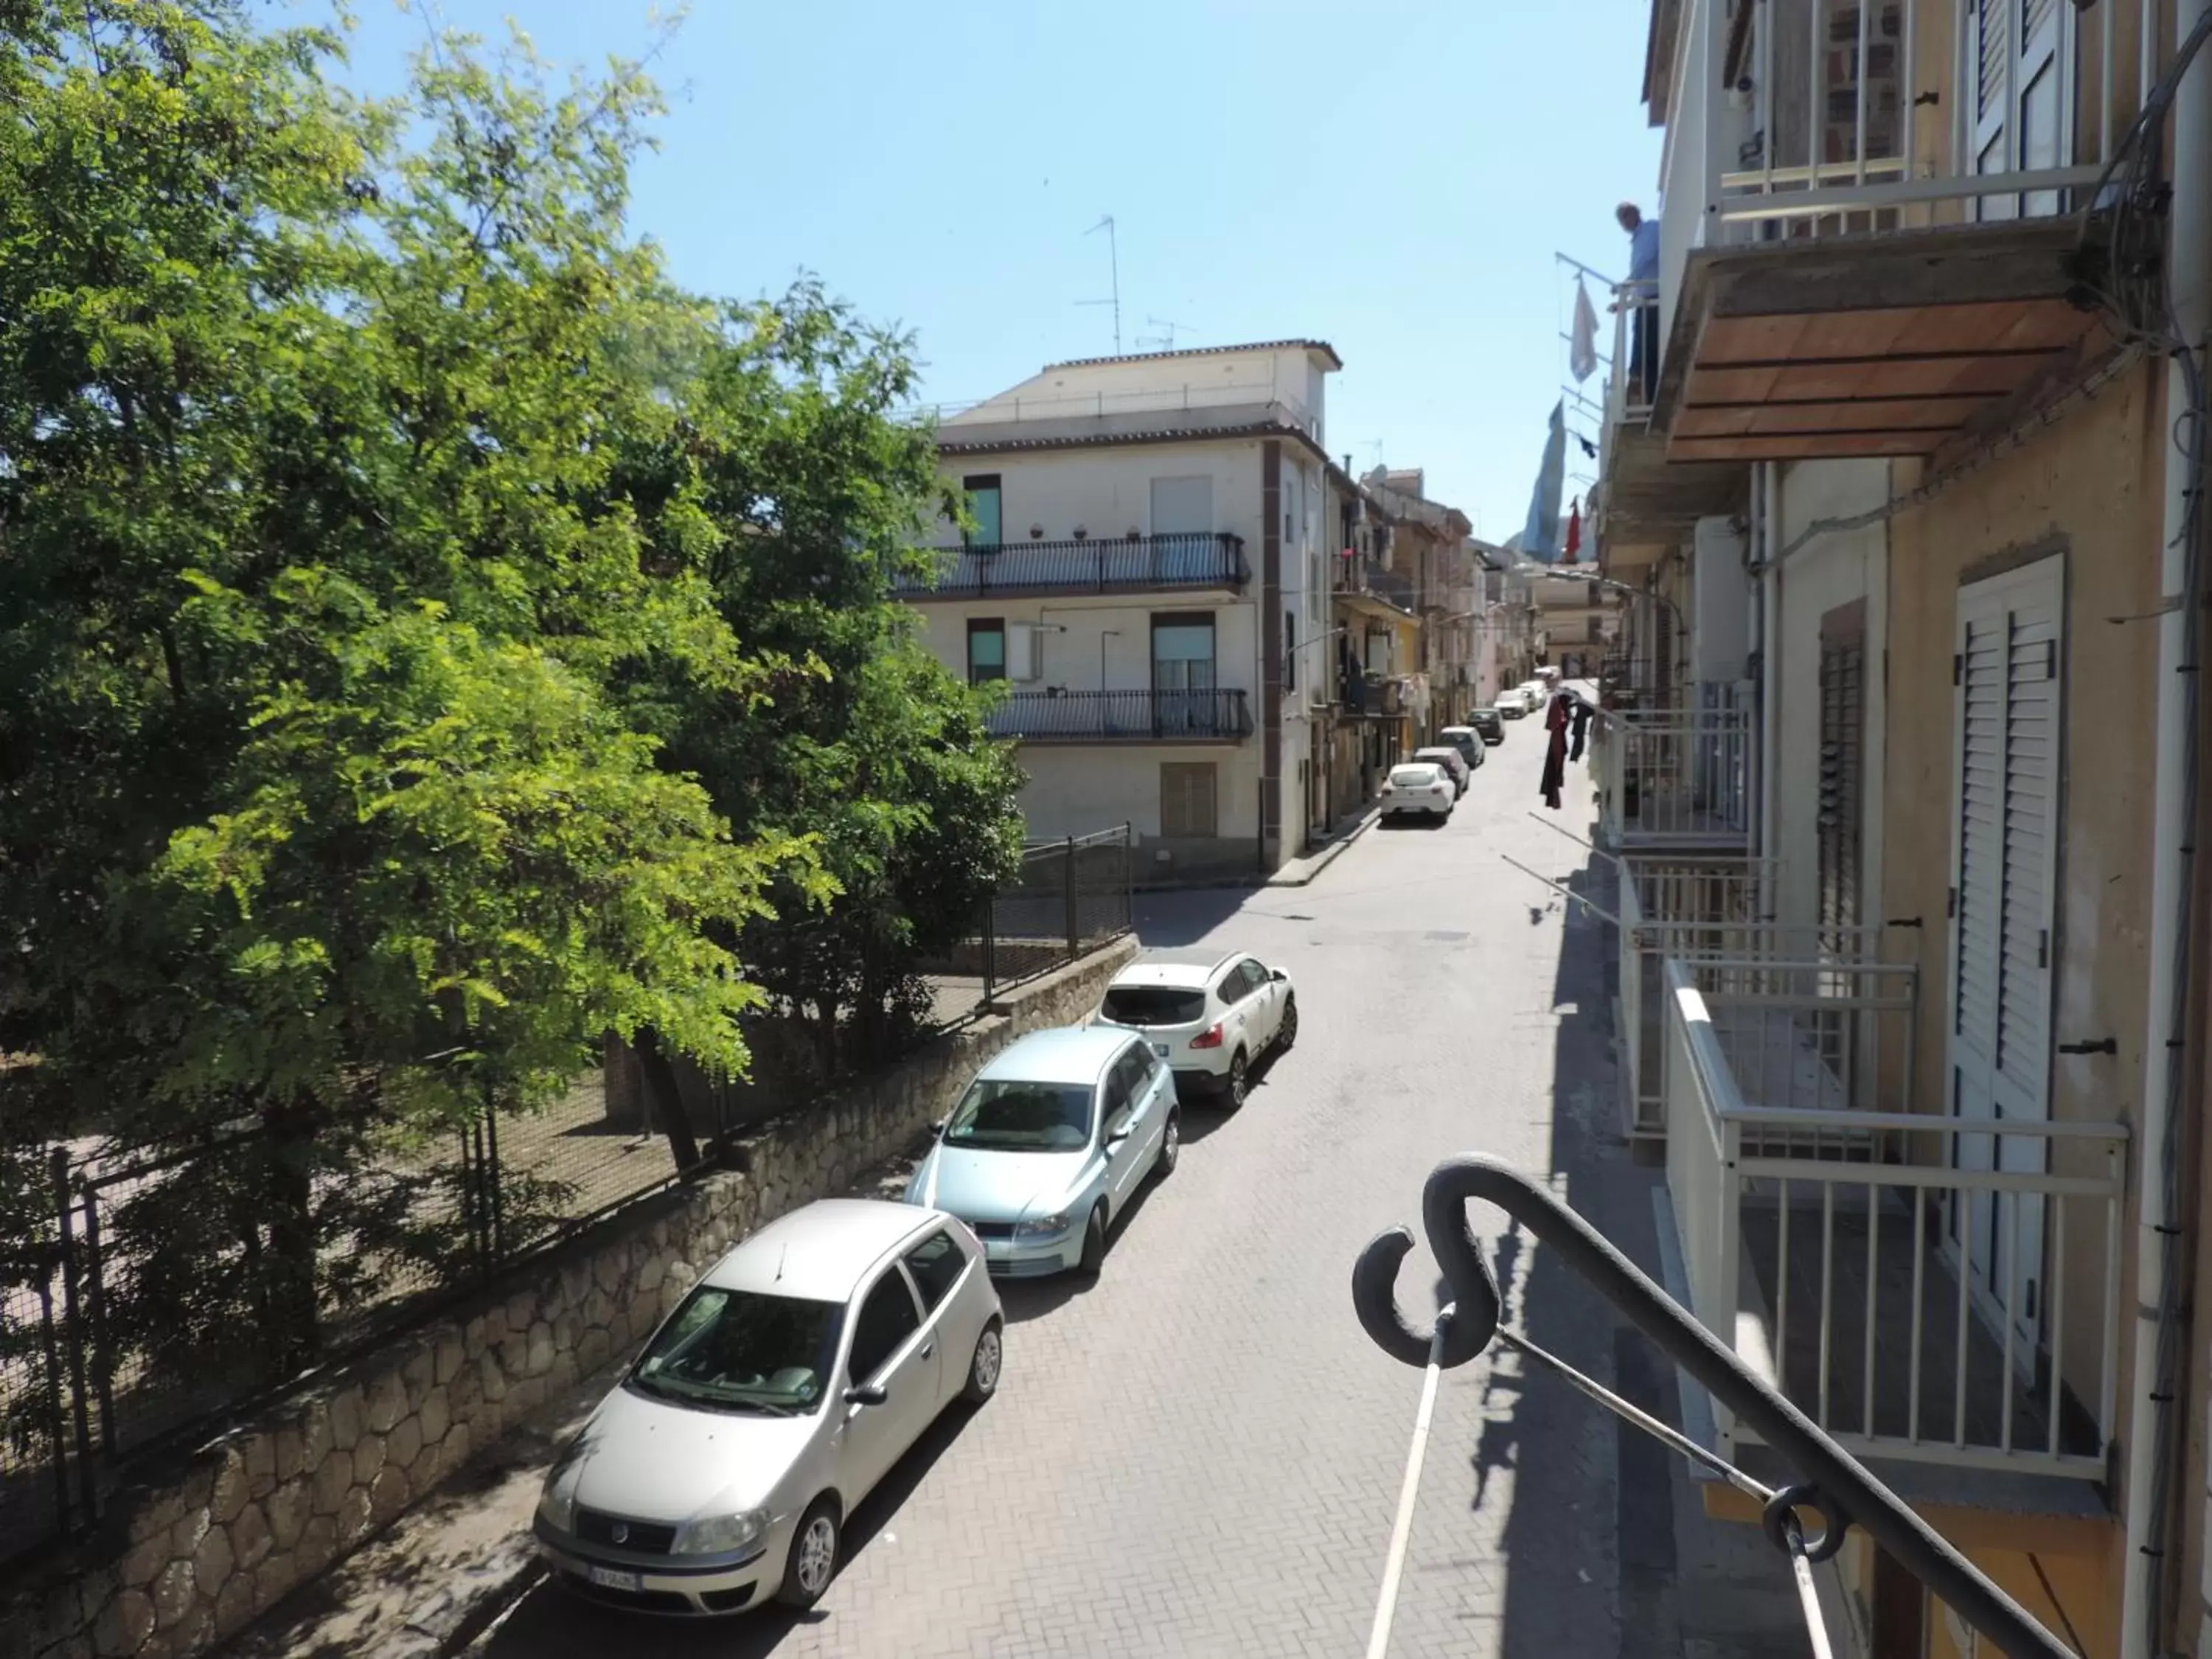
(719, 1472)
(1211, 1017)
(1418, 787)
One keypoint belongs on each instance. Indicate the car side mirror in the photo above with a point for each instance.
(1115, 1137)
(937, 1129)
(866, 1394)
(1278, 976)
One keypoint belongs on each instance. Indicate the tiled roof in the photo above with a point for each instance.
(1105, 439)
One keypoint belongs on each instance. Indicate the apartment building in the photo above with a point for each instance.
(1900, 759)
(1145, 568)
(1573, 611)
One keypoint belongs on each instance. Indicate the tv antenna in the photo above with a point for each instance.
(1114, 259)
(1167, 339)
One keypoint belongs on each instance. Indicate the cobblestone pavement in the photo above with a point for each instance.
(1201, 1453)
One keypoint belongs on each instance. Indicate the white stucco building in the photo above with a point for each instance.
(1148, 572)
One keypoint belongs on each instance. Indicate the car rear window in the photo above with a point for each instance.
(1413, 777)
(1153, 1004)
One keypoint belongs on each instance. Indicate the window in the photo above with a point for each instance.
(986, 506)
(1006, 1115)
(936, 1263)
(1153, 1004)
(1184, 674)
(1182, 507)
(1186, 799)
(1843, 742)
(739, 1350)
(1254, 976)
(1290, 650)
(887, 1318)
(986, 649)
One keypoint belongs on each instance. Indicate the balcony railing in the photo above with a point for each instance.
(1936, 1288)
(1129, 565)
(1677, 777)
(1833, 156)
(1123, 717)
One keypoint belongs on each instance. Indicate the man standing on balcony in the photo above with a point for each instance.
(1640, 292)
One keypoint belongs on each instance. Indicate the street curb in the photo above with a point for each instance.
(471, 1605)
(1318, 861)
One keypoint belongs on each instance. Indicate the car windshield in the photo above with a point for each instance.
(1153, 1004)
(1413, 777)
(1006, 1115)
(739, 1351)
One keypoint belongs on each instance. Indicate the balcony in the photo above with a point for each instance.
(1677, 778)
(1644, 503)
(1930, 1290)
(1134, 564)
(1365, 586)
(1123, 717)
(1889, 243)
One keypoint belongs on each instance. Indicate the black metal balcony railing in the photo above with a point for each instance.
(1123, 717)
(1129, 565)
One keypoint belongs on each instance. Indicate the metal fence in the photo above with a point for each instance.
(158, 1287)
(1218, 715)
(1069, 898)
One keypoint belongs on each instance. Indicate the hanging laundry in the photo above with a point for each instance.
(1581, 343)
(1574, 532)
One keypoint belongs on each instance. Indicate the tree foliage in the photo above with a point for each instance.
(428, 638)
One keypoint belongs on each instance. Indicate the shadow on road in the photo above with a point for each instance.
(550, 1620)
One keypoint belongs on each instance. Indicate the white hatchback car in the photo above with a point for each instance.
(719, 1472)
(1211, 1017)
(1418, 787)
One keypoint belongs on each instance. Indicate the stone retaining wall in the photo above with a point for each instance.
(188, 1560)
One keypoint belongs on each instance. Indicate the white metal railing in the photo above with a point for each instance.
(1930, 1288)
(1835, 151)
(1633, 372)
(1675, 776)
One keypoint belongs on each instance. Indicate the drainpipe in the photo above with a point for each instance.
(2154, 1445)
(1769, 484)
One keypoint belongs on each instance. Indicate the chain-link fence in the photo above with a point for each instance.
(1069, 898)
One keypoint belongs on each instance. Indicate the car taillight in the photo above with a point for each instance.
(1209, 1038)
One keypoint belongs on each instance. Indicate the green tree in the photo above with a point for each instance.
(323, 806)
(793, 446)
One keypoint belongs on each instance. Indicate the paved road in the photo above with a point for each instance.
(1201, 1453)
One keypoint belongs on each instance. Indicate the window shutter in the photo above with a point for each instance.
(1843, 737)
(1186, 798)
(1981, 826)
(1991, 39)
(2031, 821)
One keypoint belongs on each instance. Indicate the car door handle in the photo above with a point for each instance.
(928, 1350)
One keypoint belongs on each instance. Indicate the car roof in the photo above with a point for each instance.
(1182, 970)
(1070, 1053)
(820, 1252)
(1416, 766)
(1436, 748)
(1455, 728)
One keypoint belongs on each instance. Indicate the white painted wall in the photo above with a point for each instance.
(1118, 627)
(1072, 791)
(1109, 492)
(1829, 571)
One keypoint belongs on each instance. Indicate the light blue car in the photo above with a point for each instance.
(1052, 1140)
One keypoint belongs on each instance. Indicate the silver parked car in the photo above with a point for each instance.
(719, 1472)
(1053, 1140)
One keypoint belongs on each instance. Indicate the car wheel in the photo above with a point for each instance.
(1233, 1087)
(1170, 1143)
(983, 1369)
(1094, 1243)
(813, 1560)
(1287, 1032)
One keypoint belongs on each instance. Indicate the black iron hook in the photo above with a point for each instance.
(1833, 1482)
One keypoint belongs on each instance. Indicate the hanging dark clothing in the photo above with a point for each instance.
(1581, 728)
(1555, 752)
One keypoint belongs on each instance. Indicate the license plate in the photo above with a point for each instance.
(1159, 1047)
(615, 1578)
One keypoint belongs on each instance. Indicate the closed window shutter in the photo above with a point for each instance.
(1843, 738)
(1981, 827)
(2031, 780)
(1186, 798)
(1991, 39)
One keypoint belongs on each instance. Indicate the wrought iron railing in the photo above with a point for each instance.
(1133, 564)
(1217, 716)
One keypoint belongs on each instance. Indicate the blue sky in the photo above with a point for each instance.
(1392, 177)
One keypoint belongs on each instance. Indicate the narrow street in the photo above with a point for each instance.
(1201, 1453)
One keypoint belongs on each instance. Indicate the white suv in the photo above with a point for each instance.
(1212, 1018)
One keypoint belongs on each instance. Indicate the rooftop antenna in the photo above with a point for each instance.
(1114, 257)
(1167, 339)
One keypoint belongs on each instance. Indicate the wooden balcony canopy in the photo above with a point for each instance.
(1890, 343)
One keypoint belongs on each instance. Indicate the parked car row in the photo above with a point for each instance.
(717, 1474)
